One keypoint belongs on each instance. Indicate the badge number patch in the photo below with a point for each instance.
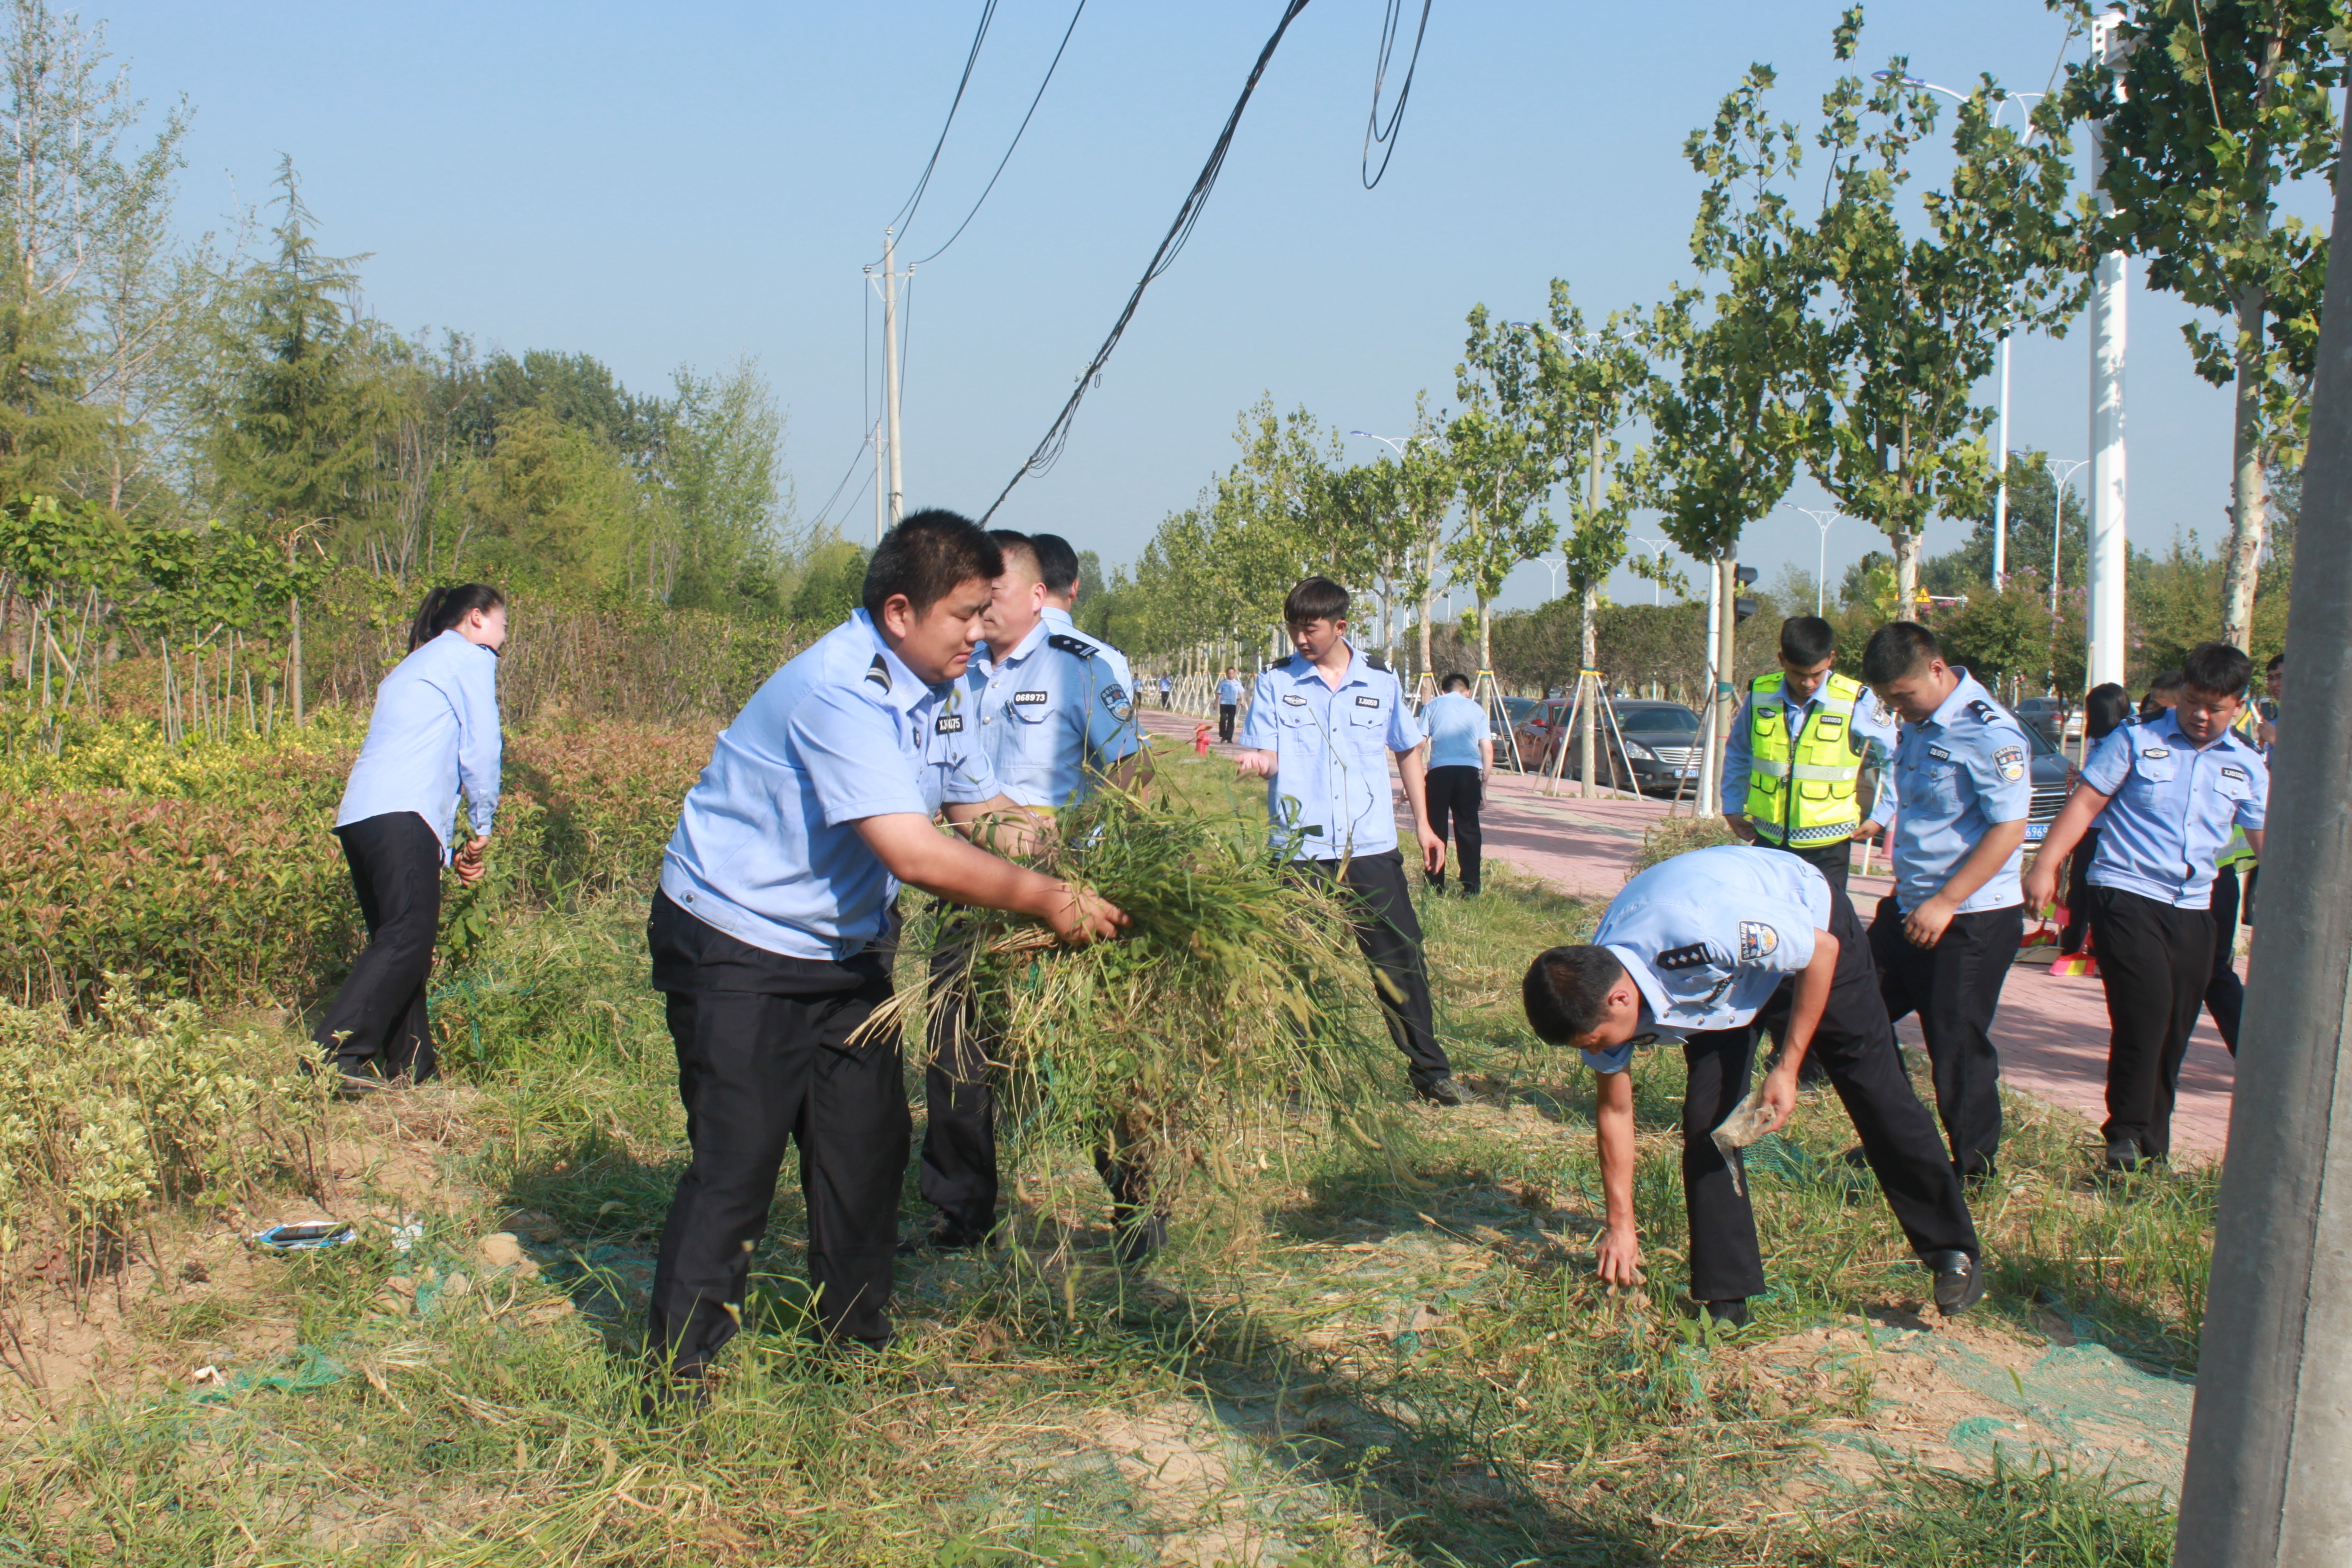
(949, 724)
(1757, 940)
(1367, 702)
(1029, 699)
(2011, 761)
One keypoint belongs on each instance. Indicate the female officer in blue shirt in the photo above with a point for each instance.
(433, 734)
(2165, 795)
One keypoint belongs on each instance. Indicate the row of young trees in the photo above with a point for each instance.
(1847, 339)
(184, 404)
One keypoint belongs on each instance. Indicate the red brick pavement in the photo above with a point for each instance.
(2051, 1032)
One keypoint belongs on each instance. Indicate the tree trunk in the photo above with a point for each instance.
(1906, 572)
(1587, 643)
(1485, 635)
(1428, 605)
(2248, 500)
(296, 683)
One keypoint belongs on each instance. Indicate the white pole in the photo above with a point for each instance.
(1706, 801)
(2107, 345)
(2001, 468)
(890, 367)
(881, 493)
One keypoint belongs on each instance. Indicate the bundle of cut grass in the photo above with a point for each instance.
(1236, 995)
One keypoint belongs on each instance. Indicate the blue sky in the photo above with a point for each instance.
(671, 185)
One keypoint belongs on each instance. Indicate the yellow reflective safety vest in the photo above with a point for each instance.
(1805, 794)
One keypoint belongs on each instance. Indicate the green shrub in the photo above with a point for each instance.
(142, 1102)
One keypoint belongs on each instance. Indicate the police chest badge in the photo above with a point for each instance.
(1029, 699)
(1756, 940)
(2011, 761)
(949, 724)
(1115, 699)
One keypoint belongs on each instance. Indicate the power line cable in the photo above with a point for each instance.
(906, 211)
(1374, 135)
(1016, 142)
(853, 468)
(1170, 245)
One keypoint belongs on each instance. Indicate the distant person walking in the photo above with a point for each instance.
(1228, 705)
(433, 735)
(1461, 756)
(1167, 692)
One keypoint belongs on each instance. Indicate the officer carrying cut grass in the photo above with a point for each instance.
(1793, 762)
(1321, 729)
(775, 927)
(1055, 715)
(1688, 953)
(1943, 941)
(2165, 795)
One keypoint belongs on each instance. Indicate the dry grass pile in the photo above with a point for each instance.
(1237, 995)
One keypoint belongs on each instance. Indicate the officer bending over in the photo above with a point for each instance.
(2165, 795)
(1688, 953)
(1321, 728)
(1944, 940)
(773, 933)
(1056, 716)
(1794, 758)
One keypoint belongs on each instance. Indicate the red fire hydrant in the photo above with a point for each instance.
(1200, 741)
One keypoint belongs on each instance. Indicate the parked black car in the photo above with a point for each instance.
(1661, 739)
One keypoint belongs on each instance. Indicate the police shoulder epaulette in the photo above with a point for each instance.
(1377, 662)
(1690, 957)
(1985, 712)
(879, 672)
(1070, 644)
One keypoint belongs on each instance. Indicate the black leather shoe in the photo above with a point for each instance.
(677, 1397)
(357, 1077)
(945, 1235)
(1730, 1313)
(1442, 1090)
(1959, 1281)
(2123, 1158)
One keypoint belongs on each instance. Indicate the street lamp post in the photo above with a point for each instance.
(1821, 520)
(1657, 547)
(2058, 486)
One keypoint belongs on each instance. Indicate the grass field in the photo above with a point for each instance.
(1348, 1356)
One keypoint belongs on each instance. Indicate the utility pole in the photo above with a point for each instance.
(881, 494)
(2266, 1481)
(897, 495)
(2104, 620)
(2001, 474)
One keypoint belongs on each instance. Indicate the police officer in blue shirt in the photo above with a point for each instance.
(1689, 952)
(1055, 716)
(1322, 726)
(2165, 795)
(1461, 755)
(1228, 704)
(773, 933)
(1944, 940)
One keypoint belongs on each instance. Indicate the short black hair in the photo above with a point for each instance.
(445, 607)
(2165, 680)
(1057, 563)
(1897, 649)
(2217, 669)
(1015, 545)
(1316, 599)
(1454, 681)
(2106, 709)
(1806, 640)
(926, 558)
(1567, 991)
(2278, 662)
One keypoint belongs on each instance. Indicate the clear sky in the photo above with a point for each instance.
(690, 184)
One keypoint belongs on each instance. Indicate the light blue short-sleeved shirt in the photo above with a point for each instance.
(1455, 725)
(1054, 714)
(1329, 797)
(766, 848)
(1229, 692)
(2172, 806)
(1963, 769)
(1707, 936)
(433, 733)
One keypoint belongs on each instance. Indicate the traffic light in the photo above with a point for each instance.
(1741, 609)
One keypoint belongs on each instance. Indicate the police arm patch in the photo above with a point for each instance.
(2011, 761)
(1757, 940)
(1115, 699)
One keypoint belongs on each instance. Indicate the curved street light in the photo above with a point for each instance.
(1821, 520)
(1657, 547)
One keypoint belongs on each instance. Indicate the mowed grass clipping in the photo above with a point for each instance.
(1349, 1355)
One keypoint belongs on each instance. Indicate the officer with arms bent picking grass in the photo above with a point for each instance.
(2165, 795)
(1055, 715)
(1943, 941)
(1322, 725)
(775, 927)
(1689, 952)
(1794, 759)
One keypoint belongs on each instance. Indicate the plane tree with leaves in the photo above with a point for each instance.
(2223, 103)
(1913, 313)
(1502, 450)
